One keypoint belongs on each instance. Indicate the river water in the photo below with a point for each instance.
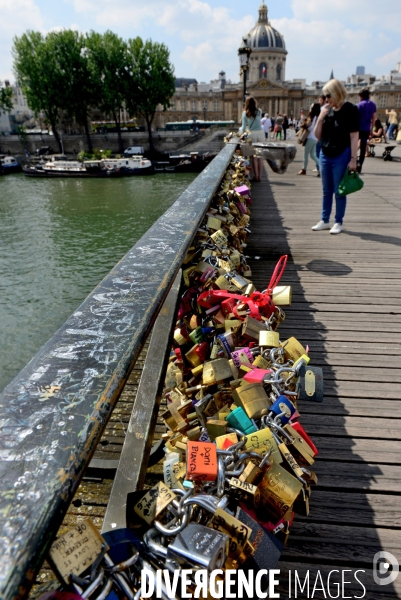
(58, 239)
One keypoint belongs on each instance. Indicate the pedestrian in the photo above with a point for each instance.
(367, 117)
(302, 117)
(322, 101)
(251, 118)
(266, 123)
(285, 126)
(338, 128)
(311, 140)
(278, 126)
(392, 122)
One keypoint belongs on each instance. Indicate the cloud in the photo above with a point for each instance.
(389, 60)
(16, 17)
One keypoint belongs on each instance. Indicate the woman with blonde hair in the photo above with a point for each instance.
(338, 130)
(251, 121)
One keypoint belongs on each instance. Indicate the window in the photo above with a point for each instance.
(398, 100)
(383, 101)
(235, 103)
(262, 71)
(183, 105)
(278, 71)
(204, 104)
(193, 105)
(172, 104)
(216, 105)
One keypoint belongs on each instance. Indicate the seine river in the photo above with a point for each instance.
(58, 239)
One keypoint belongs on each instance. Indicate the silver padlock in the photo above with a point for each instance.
(199, 546)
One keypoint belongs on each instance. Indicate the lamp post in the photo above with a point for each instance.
(244, 53)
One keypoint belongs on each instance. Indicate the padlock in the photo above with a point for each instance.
(262, 442)
(269, 339)
(216, 370)
(179, 337)
(310, 384)
(197, 336)
(216, 428)
(292, 349)
(213, 223)
(301, 431)
(258, 375)
(199, 546)
(253, 399)
(251, 474)
(243, 356)
(201, 461)
(301, 504)
(299, 447)
(261, 362)
(283, 405)
(245, 491)
(237, 532)
(282, 295)
(154, 503)
(278, 490)
(303, 360)
(225, 441)
(290, 460)
(219, 238)
(226, 341)
(238, 419)
(198, 354)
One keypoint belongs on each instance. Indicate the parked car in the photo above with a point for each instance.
(134, 150)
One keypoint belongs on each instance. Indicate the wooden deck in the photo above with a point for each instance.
(346, 306)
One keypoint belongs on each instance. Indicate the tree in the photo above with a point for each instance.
(37, 71)
(79, 89)
(152, 80)
(107, 56)
(6, 103)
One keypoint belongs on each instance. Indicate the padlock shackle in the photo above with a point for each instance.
(277, 273)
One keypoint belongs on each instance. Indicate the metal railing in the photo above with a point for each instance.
(53, 413)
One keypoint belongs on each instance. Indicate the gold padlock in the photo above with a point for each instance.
(269, 339)
(251, 474)
(282, 295)
(292, 349)
(261, 362)
(251, 329)
(303, 452)
(262, 442)
(213, 223)
(222, 439)
(253, 399)
(216, 428)
(278, 490)
(216, 370)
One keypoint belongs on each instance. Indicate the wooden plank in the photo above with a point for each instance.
(134, 457)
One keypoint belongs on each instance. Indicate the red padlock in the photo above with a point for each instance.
(299, 429)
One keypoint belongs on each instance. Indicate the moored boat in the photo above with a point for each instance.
(9, 164)
(110, 167)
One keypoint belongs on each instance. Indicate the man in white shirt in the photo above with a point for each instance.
(266, 124)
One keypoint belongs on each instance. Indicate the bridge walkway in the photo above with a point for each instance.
(346, 306)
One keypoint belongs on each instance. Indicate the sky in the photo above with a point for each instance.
(203, 36)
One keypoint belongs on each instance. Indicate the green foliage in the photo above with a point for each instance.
(6, 103)
(152, 80)
(22, 134)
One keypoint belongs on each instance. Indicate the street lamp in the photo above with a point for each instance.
(244, 53)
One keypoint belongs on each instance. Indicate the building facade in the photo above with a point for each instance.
(221, 100)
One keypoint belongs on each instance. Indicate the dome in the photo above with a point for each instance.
(264, 35)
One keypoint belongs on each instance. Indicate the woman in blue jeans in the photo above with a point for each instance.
(337, 128)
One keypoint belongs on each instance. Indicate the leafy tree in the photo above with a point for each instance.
(42, 82)
(152, 80)
(107, 56)
(6, 103)
(79, 89)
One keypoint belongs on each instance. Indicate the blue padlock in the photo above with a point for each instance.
(123, 543)
(282, 405)
(238, 419)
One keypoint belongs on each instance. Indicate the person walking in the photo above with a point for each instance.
(367, 117)
(285, 126)
(251, 118)
(266, 123)
(338, 128)
(311, 140)
(278, 126)
(392, 123)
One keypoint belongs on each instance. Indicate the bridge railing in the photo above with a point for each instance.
(53, 413)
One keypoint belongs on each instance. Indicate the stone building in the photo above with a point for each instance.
(222, 100)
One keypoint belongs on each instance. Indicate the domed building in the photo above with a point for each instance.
(268, 56)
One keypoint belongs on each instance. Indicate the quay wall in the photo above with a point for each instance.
(163, 141)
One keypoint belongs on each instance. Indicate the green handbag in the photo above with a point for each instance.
(351, 182)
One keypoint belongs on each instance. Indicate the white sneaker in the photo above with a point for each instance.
(314, 170)
(337, 227)
(322, 225)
